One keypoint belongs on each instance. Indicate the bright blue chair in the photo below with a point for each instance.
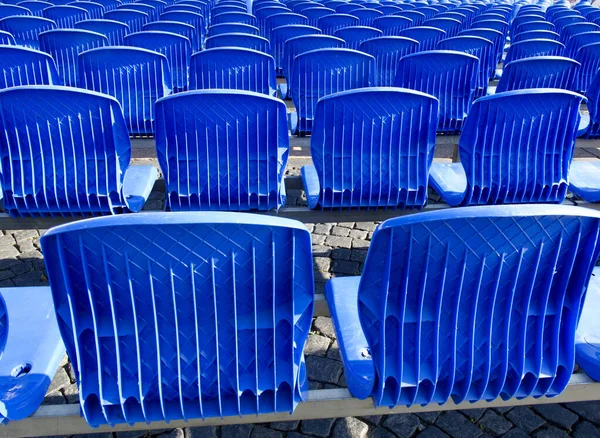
(218, 29)
(496, 37)
(387, 51)
(354, 36)
(95, 10)
(13, 10)
(190, 18)
(64, 45)
(585, 181)
(499, 25)
(135, 77)
(365, 16)
(281, 20)
(234, 69)
(539, 72)
(449, 25)
(195, 307)
(35, 8)
(109, 5)
(299, 7)
(114, 31)
(66, 152)
(65, 16)
(428, 37)
(467, 304)
(234, 17)
(264, 13)
(330, 23)
(295, 46)
(565, 21)
(186, 30)
(524, 18)
(450, 76)
(322, 72)
(384, 166)
(227, 9)
(388, 9)
(279, 35)
(347, 8)
(571, 30)
(589, 58)
(159, 5)
(24, 66)
(7, 39)
(26, 30)
(416, 17)
(141, 7)
(392, 25)
(535, 35)
(177, 49)
(516, 147)
(531, 48)
(239, 40)
(178, 7)
(235, 145)
(535, 25)
(134, 19)
(315, 14)
(578, 41)
(586, 339)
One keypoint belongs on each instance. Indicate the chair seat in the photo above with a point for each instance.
(137, 185)
(449, 181)
(584, 180)
(587, 339)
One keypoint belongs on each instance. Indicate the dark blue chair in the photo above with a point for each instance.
(499, 25)
(13, 10)
(65, 17)
(264, 13)
(449, 76)
(330, 23)
(322, 72)
(449, 25)
(354, 36)
(135, 20)
(26, 30)
(315, 14)
(578, 41)
(427, 11)
(366, 16)
(218, 29)
(428, 37)
(35, 8)
(535, 35)
(388, 9)
(141, 7)
(191, 18)
(496, 37)
(114, 31)
(387, 52)
(416, 17)
(135, 77)
(577, 28)
(227, 9)
(282, 20)
(383, 166)
(109, 5)
(531, 48)
(535, 25)
(589, 58)
(233, 68)
(234, 17)
(78, 164)
(565, 21)
(539, 72)
(586, 183)
(95, 10)
(240, 40)
(392, 25)
(281, 34)
(7, 39)
(516, 147)
(235, 145)
(24, 66)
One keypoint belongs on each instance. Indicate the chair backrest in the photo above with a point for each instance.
(355, 35)
(135, 77)
(26, 30)
(7, 39)
(565, 21)
(114, 31)
(365, 16)
(387, 51)
(450, 76)
(95, 10)
(392, 25)
(539, 72)
(416, 17)
(535, 25)
(449, 25)
(226, 9)
(388, 9)
(183, 29)
(517, 146)
(535, 35)
(233, 68)
(190, 18)
(347, 8)
(495, 36)
(527, 18)
(24, 66)
(475, 304)
(109, 5)
(159, 6)
(34, 6)
(13, 10)
(301, 6)
(579, 40)
(279, 35)
(571, 30)
(264, 13)
(185, 310)
(427, 37)
(177, 49)
(282, 20)
(64, 151)
(315, 14)
(235, 145)
(240, 40)
(396, 151)
(218, 29)
(427, 11)
(234, 17)
(531, 48)
(64, 45)
(295, 46)
(499, 25)
(134, 19)
(178, 7)
(592, 94)
(330, 23)
(589, 58)
(141, 7)
(318, 73)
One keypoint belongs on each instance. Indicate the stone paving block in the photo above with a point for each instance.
(320, 427)
(403, 425)
(429, 417)
(71, 393)
(134, 434)
(265, 432)
(366, 226)
(358, 234)
(334, 351)
(21, 268)
(340, 231)
(585, 429)
(381, 432)
(296, 435)
(7, 283)
(457, 426)
(236, 431)
(515, 432)
(321, 263)
(324, 325)
(475, 414)
(22, 235)
(360, 244)
(54, 398)
(493, 423)
(33, 278)
(322, 229)
(94, 435)
(556, 414)
(5, 275)
(7, 252)
(525, 418)
(341, 254)
(285, 425)
(318, 239)
(60, 380)
(589, 410)
(201, 432)
(503, 409)
(373, 419)
(320, 250)
(339, 242)
(312, 385)
(432, 432)
(344, 267)
(358, 255)
(323, 370)
(31, 255)
(316, 345)
(347, 224)
(175, 433)
(350, 427)
(550, 432)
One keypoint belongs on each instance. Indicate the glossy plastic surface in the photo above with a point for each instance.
(240, 40)
(65, 17)
(427, 37)
(115, 31)
(539, 72)
(23, 66)
(354, 36)
(26, 30)
(387, 52)
(279, 35)
(531, 48)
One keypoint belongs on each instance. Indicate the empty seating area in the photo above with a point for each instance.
(478, 283)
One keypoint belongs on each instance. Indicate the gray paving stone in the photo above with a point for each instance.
(515, 432)
(6, 283)
(381, 432)
(296, 435)
(133, 434)
(21, 268)
(314, 385)
(358, 234)
(585, 429)
(589, 410)
(175, 433)
(339, 242)
(320, 427)
(60, 380)
(318, 239)
(550, 432)
(316, 345)
(340, 231)
(71, 393)
(344, 267)
(321, 250)
(493, 423)
(347, 224)
(7, 240)
(341, 254)
(525, 418)
(429, 417)
(236, 431)
(358, 255)
(366, 226)
(334, 351)
(285, 425)
(94, 435)
(432, 432)
(54, 398)
(403, 425)
(322, 228)
(310, 227)
(457, 426)
(324, 325)
(350, 427)
(342, 381)
(475, 414)
(5, 275)
(321, 263)
(21, 235)
(7, 252)
(556, 414)
(31, 255)
(33, 278)
(503, 409)
(323, 370)
(264, 432)
(372, 419)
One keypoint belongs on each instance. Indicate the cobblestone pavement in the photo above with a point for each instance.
(339, 249)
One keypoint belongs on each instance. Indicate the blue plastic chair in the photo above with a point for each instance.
(354, 36)
(330, 23)
(500, 26)
(322, 72)
(315, 14)
(64, 45)
(234, 69)
(449, 76)
(141, 7)
(177, 49)
(26, 30)
(580, 40)
(279, 35)
(531, 48)
(178, 7)
(586, 339)
(333, 4)
(235, 145)
(295, 46)
(234, 17)
(7, 39)
(24, 66)
(427, 37)
(190, 18)
(226, 9)
(347, 8)
(205, 294)
(479, 47)
(135, 77)
(13, 10)
(535, 25)
(496, 37)
(240, 40)
(114, 31)
(585, 181)
(282, 20)
(35, 8)
(65, 16)
(489, 16)
(427, 11)
(109, 5)
(301, 6)
(416, 17)
(535, 35)
(388, 9)
(467, 304)
(569, 31)
(186, 30)
(539, 72)
(95, 10)
(159, 5)
(589, 58)
(387, 51)
(219, 29)
(565, 21)
(81, 149)
(392, 25)
(134, 19)
(516, 147)
(526, 18)
(385, 165)
(262, 15)
(366, 16)
(449, 25)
